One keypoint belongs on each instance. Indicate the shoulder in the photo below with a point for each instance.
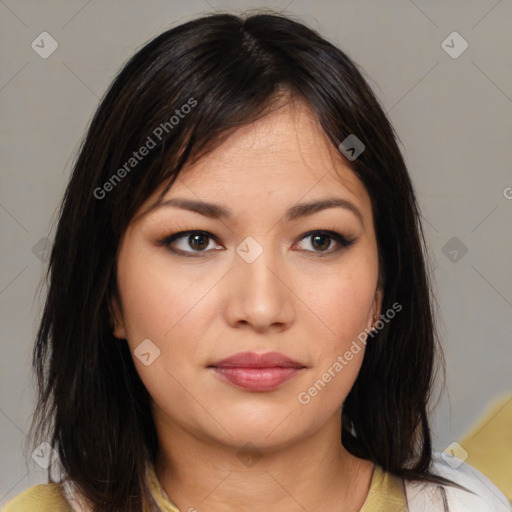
(482, 494)
(39, 498)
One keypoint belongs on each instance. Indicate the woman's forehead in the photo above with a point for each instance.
(290, 131)
(285, 148)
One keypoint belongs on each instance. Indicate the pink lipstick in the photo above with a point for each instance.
(257, 372)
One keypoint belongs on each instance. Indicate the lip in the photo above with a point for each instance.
(257, 372)
(255, 360)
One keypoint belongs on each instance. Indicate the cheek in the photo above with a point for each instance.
(342, 302)
(160, 305)
(172, 308)
(342, 306)
(158, 300)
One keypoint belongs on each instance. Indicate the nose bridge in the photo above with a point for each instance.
(257, 268)
(258, 295)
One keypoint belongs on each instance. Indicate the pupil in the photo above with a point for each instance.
(325, 238)
(194, 239)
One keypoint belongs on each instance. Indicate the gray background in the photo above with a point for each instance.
(453, 116)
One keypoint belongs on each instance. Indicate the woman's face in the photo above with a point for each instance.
(260, 276)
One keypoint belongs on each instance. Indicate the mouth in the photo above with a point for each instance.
(257, 372)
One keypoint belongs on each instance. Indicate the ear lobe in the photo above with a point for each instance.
(116, 319)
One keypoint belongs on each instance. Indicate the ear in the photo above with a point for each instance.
(117, 320)
(375, 310)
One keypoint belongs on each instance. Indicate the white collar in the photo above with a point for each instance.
(429, 497)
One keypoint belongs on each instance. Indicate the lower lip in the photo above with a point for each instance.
(257, 379)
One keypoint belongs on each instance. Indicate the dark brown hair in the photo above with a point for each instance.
(93, 407)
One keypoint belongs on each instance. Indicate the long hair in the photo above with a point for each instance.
(179, 97)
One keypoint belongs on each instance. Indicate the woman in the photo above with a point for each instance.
(238, 315)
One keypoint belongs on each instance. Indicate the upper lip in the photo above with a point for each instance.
(255, 360)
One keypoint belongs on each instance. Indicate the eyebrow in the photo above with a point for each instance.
(216, 211)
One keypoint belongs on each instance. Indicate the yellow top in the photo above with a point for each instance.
(386, 494)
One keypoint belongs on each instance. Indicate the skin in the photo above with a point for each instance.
(203, 308)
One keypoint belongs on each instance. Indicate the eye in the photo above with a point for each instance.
(322, 240)
(198, 241)
(195, 242)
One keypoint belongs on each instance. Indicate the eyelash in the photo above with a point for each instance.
(338, 237)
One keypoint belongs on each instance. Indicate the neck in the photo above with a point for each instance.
(314, 472)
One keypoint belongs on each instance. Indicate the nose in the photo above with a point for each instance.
(259, 294)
